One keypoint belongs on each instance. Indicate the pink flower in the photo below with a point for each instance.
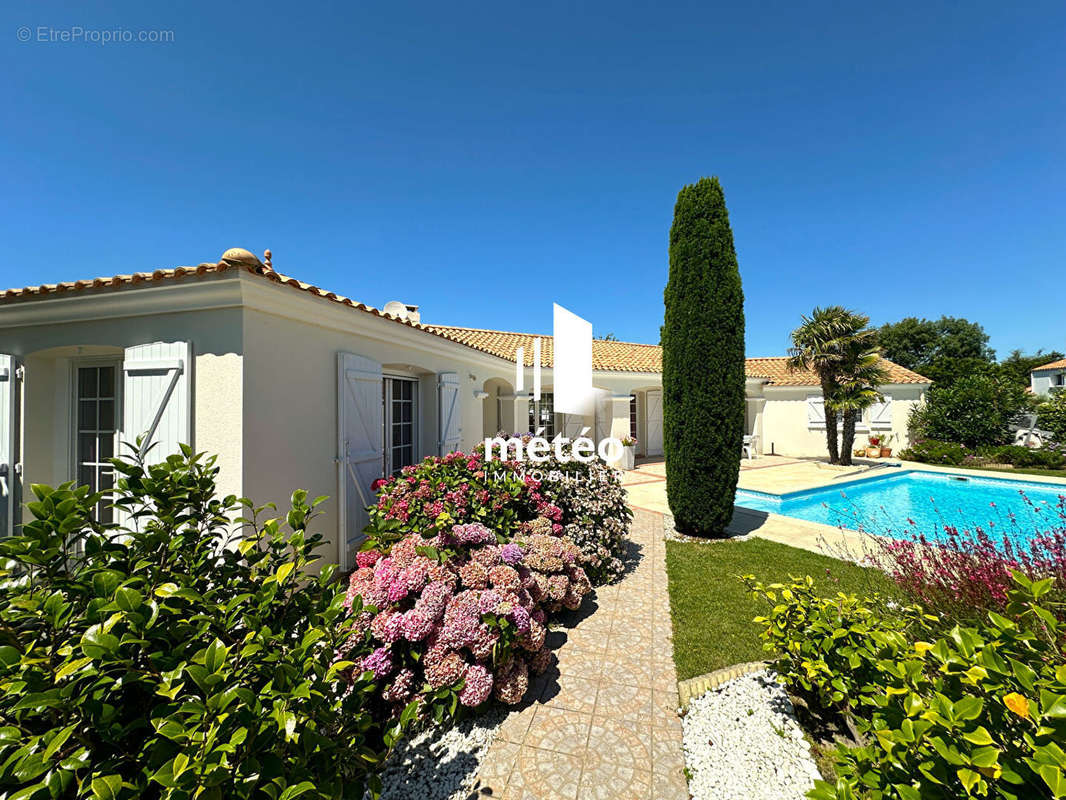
(512, 681)
(446, 671)
(478, 686)
(504, 577)
(379, 662)
(474, 575)
(417, 625)
(367, 558)
(401, 688)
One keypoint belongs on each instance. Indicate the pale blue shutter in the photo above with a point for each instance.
(881, 414)
(157, 399)
(10, 469)
(360, 443)
(815, 411)
(449, 413)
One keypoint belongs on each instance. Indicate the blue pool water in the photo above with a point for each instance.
(917, 502)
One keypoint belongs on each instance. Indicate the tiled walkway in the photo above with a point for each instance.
(604, 723)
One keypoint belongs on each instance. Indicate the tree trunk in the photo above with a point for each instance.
(847, 439)
(831, 434)
(830, 422)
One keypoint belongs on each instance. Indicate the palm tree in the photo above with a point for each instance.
(834, 343)
(861, 373)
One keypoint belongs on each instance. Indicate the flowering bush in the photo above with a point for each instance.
(456, 617)
(592, 509)
(969, 572)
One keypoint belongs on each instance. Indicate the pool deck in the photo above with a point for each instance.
(646, 487)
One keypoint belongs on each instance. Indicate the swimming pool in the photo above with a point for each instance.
(916, 501)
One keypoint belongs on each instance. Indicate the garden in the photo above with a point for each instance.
(180, 654)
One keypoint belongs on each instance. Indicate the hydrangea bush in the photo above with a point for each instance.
(591, 505)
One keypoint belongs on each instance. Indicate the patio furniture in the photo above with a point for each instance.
(750, 445)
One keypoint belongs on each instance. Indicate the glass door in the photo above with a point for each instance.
(96, 424)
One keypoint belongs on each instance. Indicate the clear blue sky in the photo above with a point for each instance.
(484, 160)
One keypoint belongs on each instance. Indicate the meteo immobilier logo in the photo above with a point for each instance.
(573, 394)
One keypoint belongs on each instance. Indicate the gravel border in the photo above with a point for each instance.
(441, 764)
(742, 741)
(670, 534)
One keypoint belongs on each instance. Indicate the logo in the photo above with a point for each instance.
(573, 394)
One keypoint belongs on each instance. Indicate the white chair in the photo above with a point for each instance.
(750, 445)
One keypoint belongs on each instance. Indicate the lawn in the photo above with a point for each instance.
(1052, 473)
(711, 611)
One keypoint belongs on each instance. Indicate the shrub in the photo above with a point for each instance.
(148, 661)
(931, 451)
(594, 513)
(1051, 416)
(457, 612)
(978, 711)
(969, 572)
(974, 410)
(1026, 457)
(703, 363)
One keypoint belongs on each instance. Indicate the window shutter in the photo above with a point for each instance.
(573, 424)
(450, 413)
(815, 410)
(360, 442)
(881, 414)
(157, 399)
(10, 469)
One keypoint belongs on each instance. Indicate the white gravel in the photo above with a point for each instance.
(441, 764)
(742, 741)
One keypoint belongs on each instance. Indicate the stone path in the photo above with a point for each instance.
(602, 724)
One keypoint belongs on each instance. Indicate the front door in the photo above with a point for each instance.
(654, 422)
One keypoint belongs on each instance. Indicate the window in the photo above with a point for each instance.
(542, 415)
(96, 424)
(400, 399)
(1060, 379)
(633, 416)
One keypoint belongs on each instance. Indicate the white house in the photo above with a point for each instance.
(1048, 378)
(296, 387)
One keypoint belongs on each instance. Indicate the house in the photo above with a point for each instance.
(1049, 378)
(297, 387)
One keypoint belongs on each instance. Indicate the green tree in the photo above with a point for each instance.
(1051, 416)
(703, 363)
(1017, 366)
(837, 346)
(861, 375)
(943, 350)
(975, 410)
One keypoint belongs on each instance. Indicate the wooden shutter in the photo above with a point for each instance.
(604, 415)
(157, 399)
(881, 414)
(359, 443)
(449, 413)
(815, 411)
(653, 410)
(10, 469)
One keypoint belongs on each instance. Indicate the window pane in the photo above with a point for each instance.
(86, 477)
(107, 415)
(107, 381)
(87, 381)
(397, 411)
(407, 412)
(106, 445)
(86, 447)
(86, 415)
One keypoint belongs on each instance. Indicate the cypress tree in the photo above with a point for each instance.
(703, 363)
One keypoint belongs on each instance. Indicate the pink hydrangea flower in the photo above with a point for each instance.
(511, 554)
(504, 577)
(417, 625)
(474, 575)
(512, 681)
(379, 662)
(367, 558)
(447, 671)
(478, 686)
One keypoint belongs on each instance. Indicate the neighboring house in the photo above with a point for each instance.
(296, 387)
(1048, 378)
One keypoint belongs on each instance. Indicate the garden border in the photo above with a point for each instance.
(701, 684)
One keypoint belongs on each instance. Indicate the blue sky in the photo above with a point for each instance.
(484, 160)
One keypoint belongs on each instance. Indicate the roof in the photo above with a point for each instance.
(1060, 364)
(607, 356)
(612, 356)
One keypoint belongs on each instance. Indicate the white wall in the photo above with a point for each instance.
(1043, 380)
(786, 431)
(290, 391)
(50, 350)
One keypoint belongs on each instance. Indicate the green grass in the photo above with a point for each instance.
(1053, 473)
(711, 611)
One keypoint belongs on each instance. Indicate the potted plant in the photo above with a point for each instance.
(629, 452)
(886, 441)
(873, 449)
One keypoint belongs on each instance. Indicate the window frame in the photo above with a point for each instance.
(536, 408)
(74, 431)
(387, 399)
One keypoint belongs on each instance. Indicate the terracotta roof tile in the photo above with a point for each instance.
(607, 356)
(1053, 365)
